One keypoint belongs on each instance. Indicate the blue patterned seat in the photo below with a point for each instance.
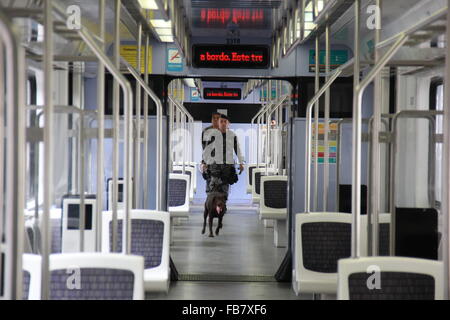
(390, 278)
(86, 276)
(150, 238)
(321, 239)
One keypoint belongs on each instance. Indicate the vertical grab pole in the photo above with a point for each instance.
(137, 146)
(356, 145)
(48, 145)
(326, 163)
(316, 128)
(101, 128)
(145, 171)
(356, 161)
(446, 169)
(116, 123)
(170, 103)
(374, 211)
(159, 110)
(308, 138)
(82, 161)
(3, 171)
(338, 160)
(128, 106)
(128, 173)
(15, 190)
(267, 155)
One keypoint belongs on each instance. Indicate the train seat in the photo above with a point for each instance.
(31, 284)
(179, 195)
(273, 205)
(321, 239)
(250, 168)
(71, 223)
(256, 179)
(194, 177)
(150, 238)
(190, 171)
(390, 278)
(34, 234)
(86, 276)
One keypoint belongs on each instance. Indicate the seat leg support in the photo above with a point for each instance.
(268, 223)
(280, 234)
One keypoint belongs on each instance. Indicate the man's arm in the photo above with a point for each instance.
(237, 150)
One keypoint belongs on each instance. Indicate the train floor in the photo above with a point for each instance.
(237, 264)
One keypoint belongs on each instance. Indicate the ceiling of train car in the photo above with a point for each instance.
(89, 14)
(216, 18)
(392, 10)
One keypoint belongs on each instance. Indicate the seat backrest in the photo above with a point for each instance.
(150, 235)
(384, 234)
(178, 192)
(70, 224)
(190, 171)
(87, 276)
(273, 193)
(345, 198)
(120, 193)
(390, 278)
(321, 240)
(257, 173)
(31, 285)
(252, 167)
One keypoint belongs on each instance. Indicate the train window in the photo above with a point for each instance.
(437, 103)
(309, 18)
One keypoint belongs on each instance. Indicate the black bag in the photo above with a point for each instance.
(232, 177)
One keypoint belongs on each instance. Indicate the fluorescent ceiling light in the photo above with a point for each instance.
(161, 23)
(164, 31)
(190, 82)
(166, 38)
(148, 4)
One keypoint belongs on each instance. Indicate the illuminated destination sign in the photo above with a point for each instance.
(221, 94)
(231, 56)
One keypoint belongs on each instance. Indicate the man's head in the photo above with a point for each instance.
(215, 119)
(223, 123)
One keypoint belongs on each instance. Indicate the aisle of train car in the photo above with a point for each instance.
(328, 119)
(237, 264)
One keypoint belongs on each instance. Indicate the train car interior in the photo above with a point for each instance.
(224, 150)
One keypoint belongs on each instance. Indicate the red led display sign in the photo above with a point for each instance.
(230, 56)
(221, 17)
(221, 94)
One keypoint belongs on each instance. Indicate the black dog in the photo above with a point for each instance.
(215, 207)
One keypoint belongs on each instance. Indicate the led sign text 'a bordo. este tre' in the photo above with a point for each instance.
(222, 93)
(233, 56)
